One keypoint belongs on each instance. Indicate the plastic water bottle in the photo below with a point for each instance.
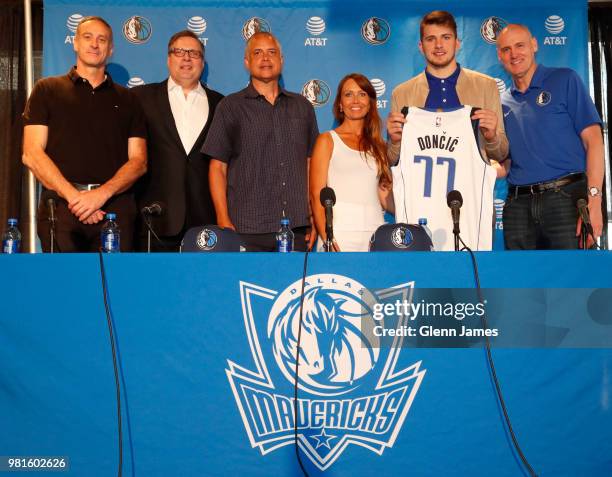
(110, 234)
(11, 240)
(284, 237)
(423, 223)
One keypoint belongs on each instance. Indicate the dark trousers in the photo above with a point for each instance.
(267, 242)
(71, 235)
(542, 221)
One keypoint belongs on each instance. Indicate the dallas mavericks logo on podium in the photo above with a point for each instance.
(350, 390)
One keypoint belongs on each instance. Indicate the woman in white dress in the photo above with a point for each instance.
(351, 159)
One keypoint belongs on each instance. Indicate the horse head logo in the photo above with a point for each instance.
(137, 29)
(254, 25)
(316, 91)
(491, 27)
(375, 31)
(334, 352)
(207, 239)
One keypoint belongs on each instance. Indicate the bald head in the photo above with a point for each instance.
(514, 28)
(256, 37)
(516, 49)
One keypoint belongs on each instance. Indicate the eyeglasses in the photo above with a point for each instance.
(180, 52)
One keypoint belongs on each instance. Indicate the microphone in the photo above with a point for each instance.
(582, 205)
(455, 201)
(327, 197)
(154, 209)
(51, 207)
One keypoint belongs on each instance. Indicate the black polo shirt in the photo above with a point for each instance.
(88, 127)
(266, 147)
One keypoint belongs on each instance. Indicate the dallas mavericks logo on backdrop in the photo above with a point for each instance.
(135, 81)
(350, 390)
(554, 24)
(402, 237)
(543, 98)
(207, 239)
(501, 86)
(375, 31)
(316, 91)
(254, 25)
(491, 27)
(137, 29)
(197, 25)
(73, 22)
(315, 26)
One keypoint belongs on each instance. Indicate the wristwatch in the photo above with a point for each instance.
(594, 191)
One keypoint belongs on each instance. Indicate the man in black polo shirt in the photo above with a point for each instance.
(260, 140)
(84, 141)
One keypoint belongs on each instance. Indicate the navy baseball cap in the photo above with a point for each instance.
(400, 238)
(211, 238)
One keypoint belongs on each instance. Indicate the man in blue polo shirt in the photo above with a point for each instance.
(556, 149)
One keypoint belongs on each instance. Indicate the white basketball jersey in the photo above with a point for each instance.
(439, 153)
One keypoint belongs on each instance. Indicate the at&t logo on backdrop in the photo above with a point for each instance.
(316, 91)
(375, 31)
(316, 27)
(135, 81)
(137, 29)
(351, 390)
(498, 204)
(501, 86)
(380, 88)
(554, 24)
(254, 25)
(491, 27)
(198, 26)
(72, 23)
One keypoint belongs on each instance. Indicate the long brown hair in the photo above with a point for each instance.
(371, 141)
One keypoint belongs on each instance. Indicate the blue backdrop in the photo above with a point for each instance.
(322, 41)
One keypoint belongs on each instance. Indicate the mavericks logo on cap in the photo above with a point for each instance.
(402, 237)
(206, 240)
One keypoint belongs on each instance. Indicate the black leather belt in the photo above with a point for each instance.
(78, 186)
(544, 186)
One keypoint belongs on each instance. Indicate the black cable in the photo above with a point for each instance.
(147, 220)
(498, 390)
(297, 365)
(111, 335)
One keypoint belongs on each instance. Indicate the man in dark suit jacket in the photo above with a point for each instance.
(179, 112)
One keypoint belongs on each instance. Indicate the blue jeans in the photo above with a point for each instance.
(542, 221)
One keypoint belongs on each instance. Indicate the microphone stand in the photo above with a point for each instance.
(329, 239)
(52, 221)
